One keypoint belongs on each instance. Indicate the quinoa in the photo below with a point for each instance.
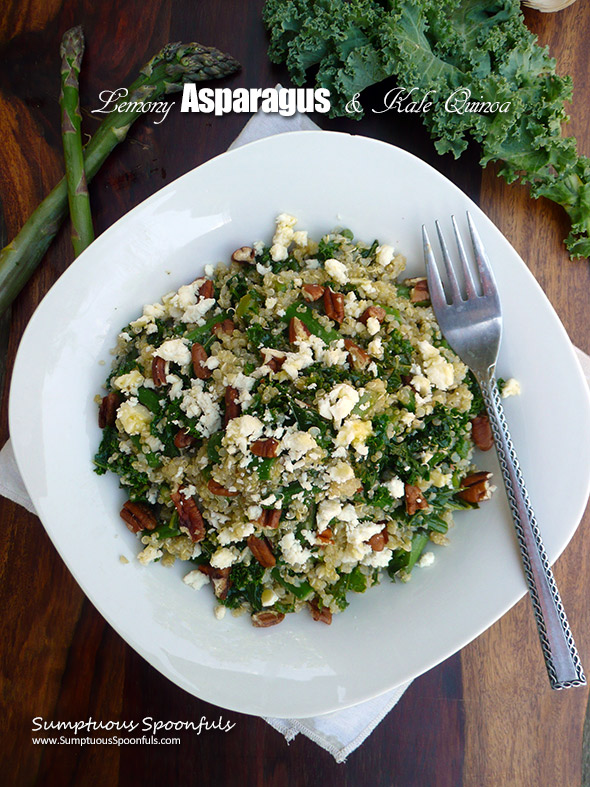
(291, 425)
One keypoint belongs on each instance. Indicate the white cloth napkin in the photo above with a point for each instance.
(341, 732)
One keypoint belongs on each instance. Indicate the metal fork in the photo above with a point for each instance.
(473, 328)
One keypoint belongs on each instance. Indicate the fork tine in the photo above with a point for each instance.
(435, 287)
(455, 292)
(469, 283)
(485, 271)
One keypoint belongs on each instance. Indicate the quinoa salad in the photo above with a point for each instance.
(292, 426)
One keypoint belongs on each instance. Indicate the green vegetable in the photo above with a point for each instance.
(305, 314)
(407, 560)
(174, 65)
(355, 581)
(301, 591)
(150, 399)
(203, 332)
(437, 47)
(72, 50)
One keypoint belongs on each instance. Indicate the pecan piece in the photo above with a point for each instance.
(414, 499)
(232, 405)
(263, 620)
(270, 518)
(378, 542)
(312, 292)
(225, 326)
(275, 362)
(107, 412)
(158, 371)
(189, 515)
(481, 432)
(323, 615)
(261, 551)
(220, 491)
(476, 488)
(334, 304)
(297, 330)
(244, 254)
(138, 517)
(357, 357)
(183, 438)
(266, 449)
(199, 356)
(220, 579)
(207, 290)
(419, 291)
(326, 536)
(378, 312)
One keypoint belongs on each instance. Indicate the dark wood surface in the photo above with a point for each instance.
(485, 717)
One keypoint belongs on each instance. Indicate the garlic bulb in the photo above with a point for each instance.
(548, 6)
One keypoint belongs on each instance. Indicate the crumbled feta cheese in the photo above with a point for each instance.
(355, 432)
(175, 350)
(297, 444)
(201, 405)
(300, 238)
(212, 362)
(339, 403)
(336, 354)
(510, 388)
(293, 553)
(134, 417)
(395, 487)
(219, 612)
(268, 597)
(129, 383)
(196, 312)
(270, 303)
(240, 431)
(209, 270)
(223, 558)
(375, 348)
(378, 559)
(384, 255)
(341, 472)
(373, 325)
(149, 554)
(336, 270)
(175, 383)
(427, 559)
(438, 370)
(195, 579)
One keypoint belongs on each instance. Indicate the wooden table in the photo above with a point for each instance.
(485, 717)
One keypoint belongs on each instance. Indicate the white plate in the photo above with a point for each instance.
(391, 633)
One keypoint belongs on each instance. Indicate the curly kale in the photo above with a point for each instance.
(438, 47)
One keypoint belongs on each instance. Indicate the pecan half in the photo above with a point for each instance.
(263, 620)
(220, 491)
(419, 292)
(481, 432)
(312, 292)
(244, 254)
(189, 515)
(158, 371)
(270, 518)
(107, 411)
(232, 406)
(357, 357)
(225, 326)
(415, 499)
(323, 615)
(267, 449)
(334, 304)
(220, 579)
(137, 517)
(378, 542)
(199, 356)
(476, 487)
(261, 551)
(183, 438)
(378, 312)
(207, 290)
(297, 330)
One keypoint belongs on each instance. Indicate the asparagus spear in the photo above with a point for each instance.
(174, 65)
(71, 51)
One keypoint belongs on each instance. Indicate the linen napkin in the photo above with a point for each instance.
(341, 732)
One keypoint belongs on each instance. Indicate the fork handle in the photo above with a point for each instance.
(559, 650)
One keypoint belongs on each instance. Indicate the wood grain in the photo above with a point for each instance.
(486, 716)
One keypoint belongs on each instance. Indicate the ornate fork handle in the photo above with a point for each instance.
(561, 657)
